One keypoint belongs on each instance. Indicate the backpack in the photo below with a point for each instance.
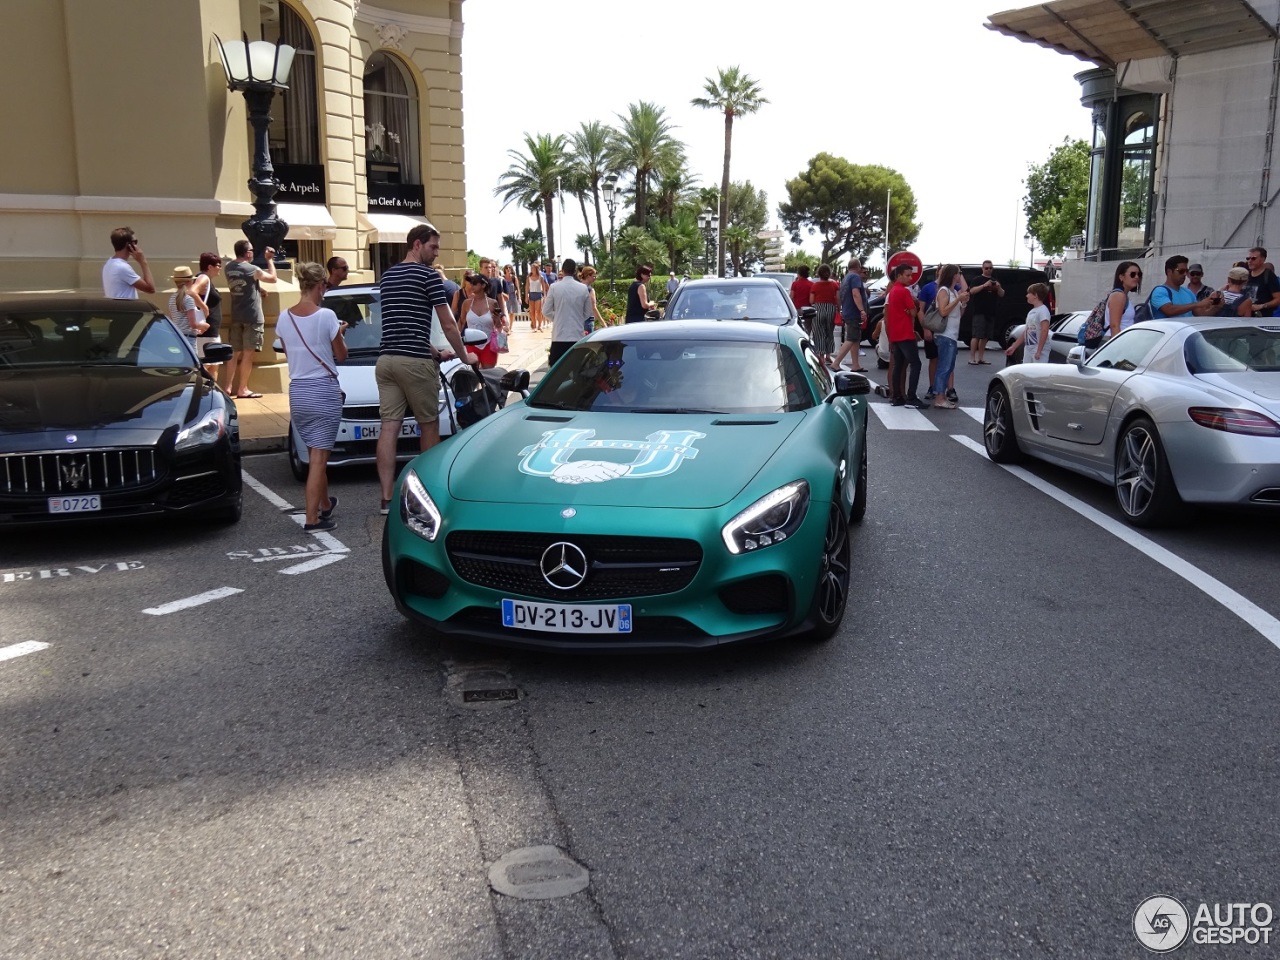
(1091, 331)
(1143, 310)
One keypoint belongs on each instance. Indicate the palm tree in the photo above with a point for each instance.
(680, 236)
(576, 183)
(736, 94)
(737, 239)
(591, 156)
(643, 145)
(533, 178)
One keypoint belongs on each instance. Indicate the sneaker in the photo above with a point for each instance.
(882, 390)
(917, 403)
(320, 526)
(951, 395)
(897, 403)
(385, 508)
(328, 514)
(929, 396)
(944, 404)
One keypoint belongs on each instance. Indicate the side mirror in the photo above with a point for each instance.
(850, 385)
(515, 381)
(662, 304)
(219, 352)
(277, 345)
(474, 338)
(808, 313)
(652, 315)
(1078, 355)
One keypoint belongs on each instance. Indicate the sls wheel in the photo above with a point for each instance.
(998, 434)
(831, 594)
(1144, 484)
(296, 465)
(860, 495)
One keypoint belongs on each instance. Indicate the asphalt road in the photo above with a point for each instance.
(1025, 727)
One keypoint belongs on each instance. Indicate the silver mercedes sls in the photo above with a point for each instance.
(1168, 412)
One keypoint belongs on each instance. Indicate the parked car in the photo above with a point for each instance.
(1167, 412)
(785, 279)
(360, 305)
(733, 298)
(1063, 328)
(666, 485)
(106, 412)
(1012, 307)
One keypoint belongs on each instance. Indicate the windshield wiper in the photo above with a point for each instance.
(673, 410)
(544, 405)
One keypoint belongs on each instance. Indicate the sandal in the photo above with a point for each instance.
(974, 363)
(251, 395)
(860, 370)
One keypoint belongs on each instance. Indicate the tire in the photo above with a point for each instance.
(1007, 340)
(831, 592)
(296, 465)
(386, 562)
(1145, 491)
(998, 434)
(859, 509)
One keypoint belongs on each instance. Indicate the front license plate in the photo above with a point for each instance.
(567, 618)
(74, 504)
(373, 430)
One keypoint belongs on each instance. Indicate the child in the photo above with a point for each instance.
(1034, 339)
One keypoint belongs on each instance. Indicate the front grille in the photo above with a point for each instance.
(79, 471)
(617, 567)
(204, 486)
(361, 413)
(421, 580)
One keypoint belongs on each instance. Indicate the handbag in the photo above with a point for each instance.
(503, 345)
(332, 372)
(493, 339)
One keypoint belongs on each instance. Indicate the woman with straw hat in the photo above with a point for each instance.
(182, 307)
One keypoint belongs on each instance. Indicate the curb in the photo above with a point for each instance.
(252, 445)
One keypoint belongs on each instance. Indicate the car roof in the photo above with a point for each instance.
(691, 330)
(77, 305)
(756, 281)
(352, 288)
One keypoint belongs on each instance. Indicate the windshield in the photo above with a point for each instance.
(89, 338)
(362, 313)
(676, 376)
(1234, 350)
(730, 301)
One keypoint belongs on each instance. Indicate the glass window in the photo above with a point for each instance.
(73, 338)
(1136, 173)
(390, 122)
(294, 134)
(676, 376)
(1128, 350)
(362, 313)
(1234, 350)
(730, 301)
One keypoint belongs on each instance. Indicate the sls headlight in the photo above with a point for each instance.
(205, 430)
(769, 520)
(418, 511)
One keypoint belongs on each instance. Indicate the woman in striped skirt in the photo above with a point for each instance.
(312, 336)
(825, 298)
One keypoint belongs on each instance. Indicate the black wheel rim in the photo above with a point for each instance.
(995, 428)
(833, 579)
(1136, 469)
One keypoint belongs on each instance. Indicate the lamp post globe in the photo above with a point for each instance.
(258, 69)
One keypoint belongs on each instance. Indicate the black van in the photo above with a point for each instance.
(1011, 309)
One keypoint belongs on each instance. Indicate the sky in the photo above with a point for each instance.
(922, 87)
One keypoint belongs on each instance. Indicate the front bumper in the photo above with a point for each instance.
(730, 598)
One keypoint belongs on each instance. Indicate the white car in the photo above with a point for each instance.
(360, 306)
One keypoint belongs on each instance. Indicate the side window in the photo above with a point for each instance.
(818, 369)
(1128, 350)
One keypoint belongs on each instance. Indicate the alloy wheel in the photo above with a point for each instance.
(1136, 471)
(833, 578)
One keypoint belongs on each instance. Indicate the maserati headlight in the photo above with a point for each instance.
(205, 430)
(417, 510)
(769, 520)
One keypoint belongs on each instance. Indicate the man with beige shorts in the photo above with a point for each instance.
(407, 374)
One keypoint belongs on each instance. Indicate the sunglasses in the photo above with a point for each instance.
(1196, 273)
(1134, 274)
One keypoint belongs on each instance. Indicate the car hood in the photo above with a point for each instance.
(679, 461)
(103, 405)
(358, 383)
(1262, 389)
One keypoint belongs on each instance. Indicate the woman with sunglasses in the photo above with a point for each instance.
(1127, 280)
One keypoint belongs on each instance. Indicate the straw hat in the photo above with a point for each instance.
(182, 273)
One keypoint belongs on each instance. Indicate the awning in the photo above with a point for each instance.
(389, 227)
(307, 221)
(1109, 32)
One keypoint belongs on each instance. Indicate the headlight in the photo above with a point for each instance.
(417, 510)
(205, 430)
(769, 520)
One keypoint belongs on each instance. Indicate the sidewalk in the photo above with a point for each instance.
(264, 423)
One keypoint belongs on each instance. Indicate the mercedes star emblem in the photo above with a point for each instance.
(71, 438)
(564, 566)
(568, 513)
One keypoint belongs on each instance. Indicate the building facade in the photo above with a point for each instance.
(119, 114)
(1184, 105)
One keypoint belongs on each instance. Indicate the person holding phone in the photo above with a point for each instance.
(119, 280)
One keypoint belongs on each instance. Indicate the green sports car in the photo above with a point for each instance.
(666, 485)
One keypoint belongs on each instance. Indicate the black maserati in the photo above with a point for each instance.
(106, 412)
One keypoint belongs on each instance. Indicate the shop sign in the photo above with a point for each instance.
(300, 183)
(406, 198)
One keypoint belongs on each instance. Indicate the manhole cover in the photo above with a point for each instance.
(489, 696)
(481, 686)
(538, 873)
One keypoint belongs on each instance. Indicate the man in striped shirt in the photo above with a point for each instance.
(407, 374)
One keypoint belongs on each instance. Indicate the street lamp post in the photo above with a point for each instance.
(610, 190)
(258, 70)
(707, 221)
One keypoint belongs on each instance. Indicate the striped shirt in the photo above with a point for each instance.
(410, 294)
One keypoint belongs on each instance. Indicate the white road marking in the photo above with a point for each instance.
(332, 543)
(315, 564)
(22, 649)
(901, 418)
(1245, 609)
(200, 598)
(975, 412)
